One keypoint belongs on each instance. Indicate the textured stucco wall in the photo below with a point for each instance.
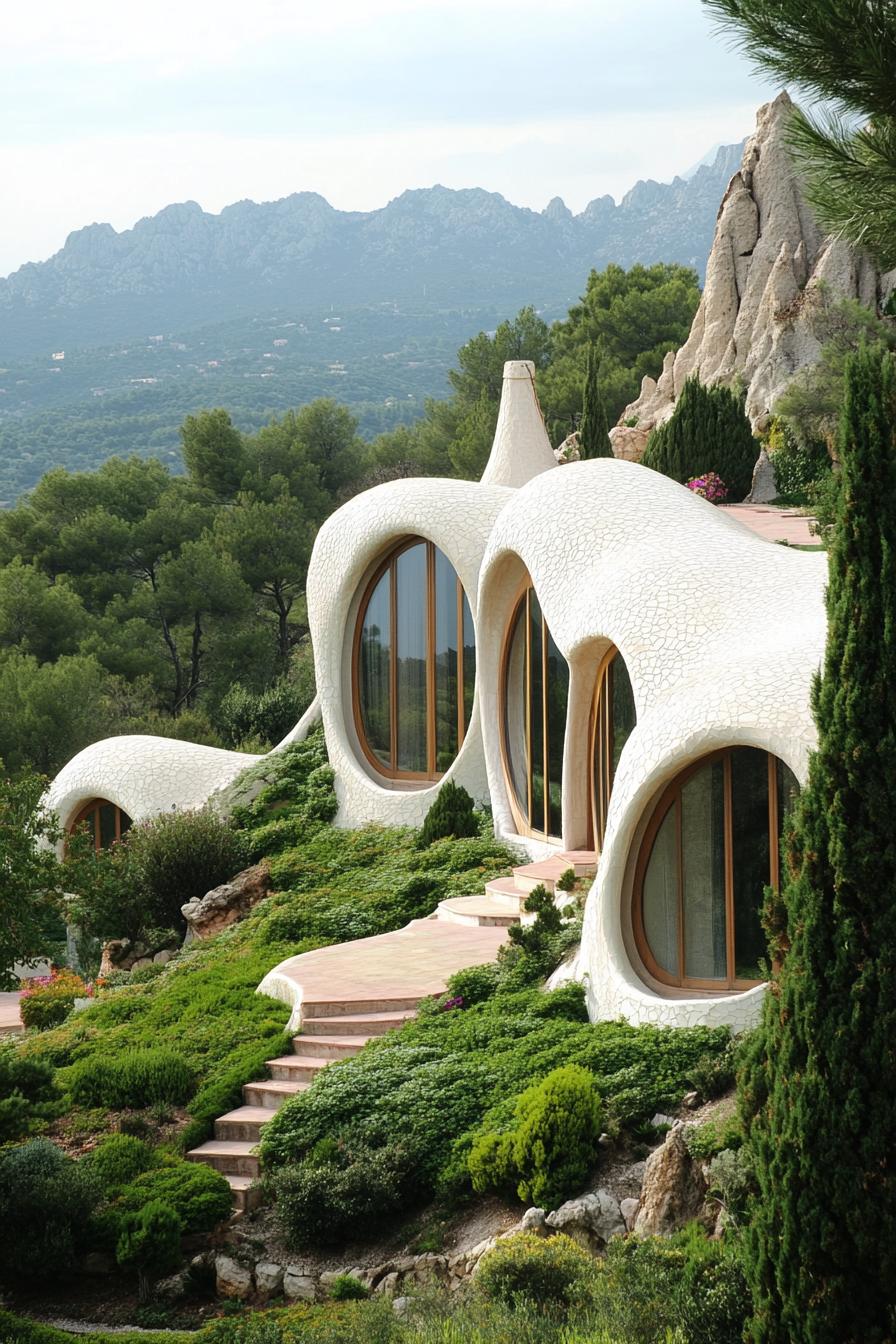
(721, 632)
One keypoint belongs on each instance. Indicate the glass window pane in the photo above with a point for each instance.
(410, 643)
(446, 667)
(469, 662)
(515, 709)
(125, 822)
(703, 868)
(750, 857)
(623, 712)
(373, 672)
(660, 897)
(557, 697)
(536, 715)
(107, 825)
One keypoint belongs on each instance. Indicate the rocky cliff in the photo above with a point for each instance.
(767, 270)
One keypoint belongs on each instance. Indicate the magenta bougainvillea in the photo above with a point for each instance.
(708, 486)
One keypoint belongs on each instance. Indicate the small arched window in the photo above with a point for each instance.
(612, 721)
(709, 852)
(414, 665)
(535, 691)
(105, 822)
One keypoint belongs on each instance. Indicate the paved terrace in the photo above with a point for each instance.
(774, 524)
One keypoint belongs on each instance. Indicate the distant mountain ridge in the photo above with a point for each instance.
(435, 247)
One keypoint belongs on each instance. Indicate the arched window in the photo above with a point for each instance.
(535, 691)
(414, 664)
(612, 721)
(710, 850)
(104, 820)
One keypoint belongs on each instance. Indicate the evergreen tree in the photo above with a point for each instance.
(708, 431)
(594, 440)
(818, 1090)
(843, 51)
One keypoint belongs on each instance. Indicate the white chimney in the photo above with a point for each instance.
(521, 448)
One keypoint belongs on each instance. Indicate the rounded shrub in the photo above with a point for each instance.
(322, 1202)
(132, 1078)
(118, 1159)
(149, 1242)
(47, 1002)
(552, 1272)
(346, 1288)
(199, 1195)
(552, 1144)
(181, 855)
(46, 1200)
(475, 984)
(450, 815)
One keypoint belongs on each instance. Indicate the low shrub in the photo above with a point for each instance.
(18, 1330)
(323, 1201)
(179, 856)
(149, 1242)
(451, 815)
(27, 1093)
(715, 1135)
(649, 1288)
(132, 1078)
(714, 1074)
(553, 1273)
(47, 1000)
(553, 1142)
(118, 1159)
(346, 1288)
(475, 984)
(199, 1196)
(46, 1200)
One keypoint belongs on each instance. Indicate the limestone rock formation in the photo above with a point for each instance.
(590, 1220)
(226, 904)
(674, 1187)
(769, 270)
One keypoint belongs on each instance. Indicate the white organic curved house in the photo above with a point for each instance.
(608, 661)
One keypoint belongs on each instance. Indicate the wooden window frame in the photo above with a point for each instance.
(93, 807)
(523, 820)
(389, 564)
(671, 797)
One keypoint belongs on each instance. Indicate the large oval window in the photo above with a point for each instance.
(711, 849)
(535, 690)
(612, 722)
(414, 664)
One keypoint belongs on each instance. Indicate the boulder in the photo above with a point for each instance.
(268, 1278)
(533, 1220)
(629, 1210)
(674, 1187)
(298, 1284)
(401, 1305)
(227, 904)
(763, 490)
(388, 1284)
(231, 1278)
(629, 441)
(590, 1220)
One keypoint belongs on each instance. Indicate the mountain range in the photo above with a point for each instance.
(108, 344)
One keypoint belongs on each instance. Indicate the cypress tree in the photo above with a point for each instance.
(707, 431)
(594, 436)
(818, 1092)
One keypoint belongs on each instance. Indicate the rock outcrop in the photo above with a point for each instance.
(227, 904)
(769, 271)
(674, 1187)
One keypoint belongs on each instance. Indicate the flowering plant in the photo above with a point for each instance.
(47, 1000)
(709, 486)
(450, 1004)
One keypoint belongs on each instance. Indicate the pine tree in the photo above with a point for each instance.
(594, 436)
(707, 431)
(819, 1090)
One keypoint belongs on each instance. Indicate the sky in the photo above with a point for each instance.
(111, 110)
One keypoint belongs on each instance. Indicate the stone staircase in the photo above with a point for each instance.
(336, 1028)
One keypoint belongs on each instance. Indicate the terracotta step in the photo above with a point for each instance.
(370, 1024)
(297, 1068)
(505, 891)
(246, 1195)
(271, 1095)
(329, 1048)
(356, 1007)
(232, 1157)
(477, 910)
(244, 1124)
(582, 861)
